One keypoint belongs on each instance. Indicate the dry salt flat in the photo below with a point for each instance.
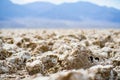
(50, 54)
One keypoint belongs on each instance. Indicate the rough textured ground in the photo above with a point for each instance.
(59, 54)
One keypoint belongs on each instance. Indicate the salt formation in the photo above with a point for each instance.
(19, 59)
(34, 67)
(65, 57)
(98, 72)
(6, 67)
(59, 55)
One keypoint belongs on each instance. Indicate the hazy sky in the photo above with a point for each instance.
(109, 3)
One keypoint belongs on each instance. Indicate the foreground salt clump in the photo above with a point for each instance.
(19, 59)
(34, 67)
(98, 72)
(76, 57)
(59, 55)
(6, 67)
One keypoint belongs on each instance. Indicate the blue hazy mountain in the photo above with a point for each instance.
(9, 10)
(83, 11)
(48, 14)
(66, 11)
(38, 8)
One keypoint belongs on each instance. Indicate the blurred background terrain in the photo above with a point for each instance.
(39, 14)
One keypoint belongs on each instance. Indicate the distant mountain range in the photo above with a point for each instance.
(79, 11)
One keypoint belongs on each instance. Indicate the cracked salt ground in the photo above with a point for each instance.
(59, 55)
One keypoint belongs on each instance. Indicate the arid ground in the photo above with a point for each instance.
(59, 54)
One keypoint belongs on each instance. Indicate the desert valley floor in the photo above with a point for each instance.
(59, 54)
